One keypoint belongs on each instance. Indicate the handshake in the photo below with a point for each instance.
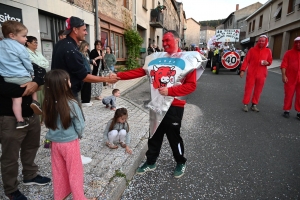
(112, 78)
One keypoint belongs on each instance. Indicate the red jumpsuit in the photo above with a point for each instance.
(291, 62)
(257, 73)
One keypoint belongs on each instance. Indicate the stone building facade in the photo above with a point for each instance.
(44, 18)
(171, 16)
(182, 24)
(114, 17)
(192, 33)
(279, 20)
(206, 32)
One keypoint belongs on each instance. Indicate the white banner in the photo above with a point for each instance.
(227, 35)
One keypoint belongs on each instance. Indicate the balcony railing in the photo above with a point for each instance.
(156, 19)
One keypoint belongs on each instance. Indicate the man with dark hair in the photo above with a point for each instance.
(61, 35)
(67, 56)
(174, 82)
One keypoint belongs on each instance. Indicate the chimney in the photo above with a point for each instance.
(236, 7)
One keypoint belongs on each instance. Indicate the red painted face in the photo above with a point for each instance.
(297, 45)
(262, 42)
(169, 43)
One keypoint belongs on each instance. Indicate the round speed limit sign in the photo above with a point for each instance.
(231, 60)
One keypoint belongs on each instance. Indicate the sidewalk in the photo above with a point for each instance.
(275, 63)
(104, 176)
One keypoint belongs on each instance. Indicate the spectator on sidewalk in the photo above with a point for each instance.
(64, 119)
(86, 88)
(290, 68)
(61, 35)
(110, 61)
(14, 140)
(117, 130)
(256, 60)
(111, 100)
(150, 49)
(171, 123)
(98, 69)
(66, 56)
(37, 58)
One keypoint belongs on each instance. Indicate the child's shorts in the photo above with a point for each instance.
(18, 80)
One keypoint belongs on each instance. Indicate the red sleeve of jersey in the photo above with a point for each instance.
(188, 86)
(131, 74)
(246, 61)
(269, 59)
(285, 59)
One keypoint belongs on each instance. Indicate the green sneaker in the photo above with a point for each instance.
(179, 170)
(146, 168)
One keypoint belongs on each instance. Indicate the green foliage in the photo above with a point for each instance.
(119, 174)
(213, 23)
(133, 42)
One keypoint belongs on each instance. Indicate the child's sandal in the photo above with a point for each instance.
(123, 145)
(111, 146)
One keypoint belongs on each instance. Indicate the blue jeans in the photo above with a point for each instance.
(112, 68)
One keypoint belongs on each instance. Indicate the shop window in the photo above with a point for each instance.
(260, 21)
(277, 13)
(117, 45)
(291, 7)
(104, 39)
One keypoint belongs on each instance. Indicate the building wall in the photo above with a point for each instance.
(192, 32)
(171, 18)
(206, 34)
(272, 27)
(34, 11)
(182, 24)
(148, 33)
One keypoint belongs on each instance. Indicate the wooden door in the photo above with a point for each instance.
(293, 35)
(277, 46)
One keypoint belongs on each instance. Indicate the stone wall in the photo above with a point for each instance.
(116, 10)
(84, 4)
(192, 32)
(171, 19)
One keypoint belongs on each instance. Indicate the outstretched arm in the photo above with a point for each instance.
(95, 79)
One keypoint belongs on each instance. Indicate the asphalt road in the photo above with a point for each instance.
(231, 154)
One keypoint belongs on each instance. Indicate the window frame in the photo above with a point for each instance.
(126, 3)
(279, 12)
(144, 4)
(249, 29)
(260, 21)
(253, 25)
(291, 6)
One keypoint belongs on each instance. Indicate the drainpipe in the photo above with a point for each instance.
(270, 18)
(134, 15)
(96, 20)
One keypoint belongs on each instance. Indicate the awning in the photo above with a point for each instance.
(244, 41)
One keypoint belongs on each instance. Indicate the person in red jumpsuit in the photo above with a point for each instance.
(290, 68)
(257, 60)
(171, 123)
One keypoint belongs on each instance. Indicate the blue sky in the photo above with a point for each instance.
(202, 10)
